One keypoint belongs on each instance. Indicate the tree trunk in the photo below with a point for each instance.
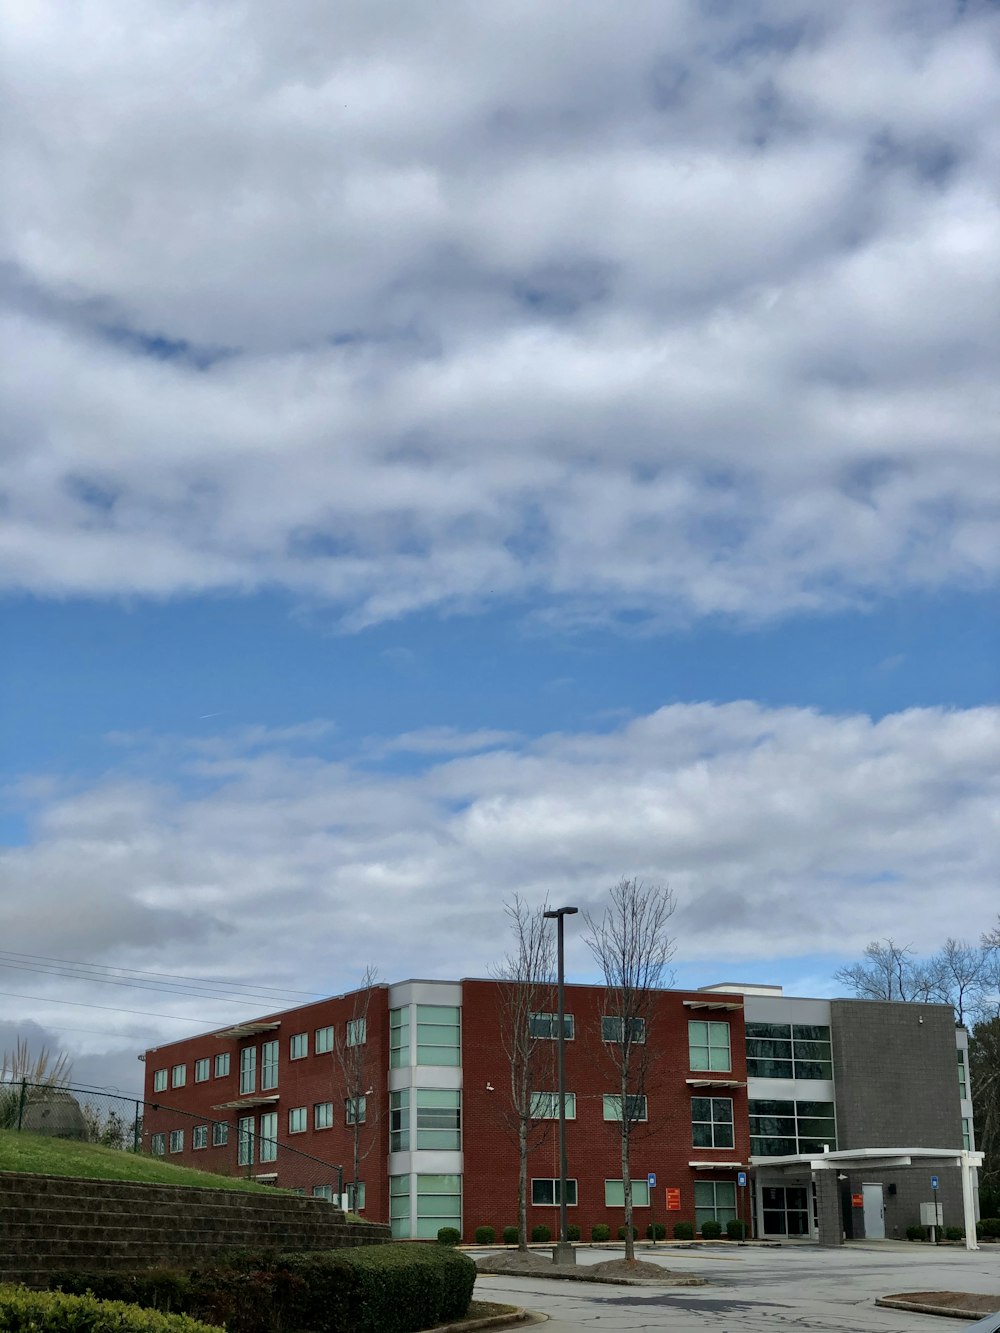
(522, 1185)
(627, 1183)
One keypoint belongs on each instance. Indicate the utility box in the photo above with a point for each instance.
(932, 1214)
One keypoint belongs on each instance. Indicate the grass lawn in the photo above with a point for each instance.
(40, 1155)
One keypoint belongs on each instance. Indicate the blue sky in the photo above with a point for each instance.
(480, 451)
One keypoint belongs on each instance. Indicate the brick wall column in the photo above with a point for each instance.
(831, 1230)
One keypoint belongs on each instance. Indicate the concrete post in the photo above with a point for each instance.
(831, 1228)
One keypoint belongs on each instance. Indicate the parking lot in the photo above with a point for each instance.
(761, 1290)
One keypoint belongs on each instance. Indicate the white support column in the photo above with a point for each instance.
(968, 1202)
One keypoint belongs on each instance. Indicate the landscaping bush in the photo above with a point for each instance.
(621, 1232)
(916, 1233)
(510, 1236)
(449, 1235)
(541, 1232)
(24, 1311)
(683, 1231)
(711, 1230)
(600, 1231)
(736, 1229)
(954, 1233)
(485, 1235)
(656, 1231)
(371, 1289)
(988, 1228)
(572, 1231)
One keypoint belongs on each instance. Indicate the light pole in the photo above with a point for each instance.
(563, 1253)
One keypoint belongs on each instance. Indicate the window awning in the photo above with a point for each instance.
(713, 1004)
(718, 1166)
(247, 1030)
(248, 1102)
(715, 1083)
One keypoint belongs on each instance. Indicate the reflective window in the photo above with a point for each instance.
(202, 1070)
(220, 1134)
(298, 1046)
(357, 1031)
(546, 1026)
(439, 1034)
(399, 1120)
(323, 1040)
(322, 1115)
(160, 1080)
(248, 1069)
(708, 1046)
(612, 1029)
(545, 1192)
(269, 1065)
(399, 1040)
(222, 1065)
(439, 1204)
(297, 1120)
(177, 1140)
(634, 1104)
(439, 1119)
(178, 1076)
(545, 1106)
(399, 1206)
(158, 1145)
(614, 1194)
(269, 1136)
(199, 1136)
(787, 1128)
(712, 1122)
(354, 1109)
(787, 1050)
(714, 1201)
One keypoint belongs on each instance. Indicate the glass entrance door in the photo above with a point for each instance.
(786, 1210)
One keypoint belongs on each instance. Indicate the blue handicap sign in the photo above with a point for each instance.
(934, 1182)
(741, 1179)
(651, 1179)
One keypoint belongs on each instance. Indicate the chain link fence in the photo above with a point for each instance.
(248, 1146)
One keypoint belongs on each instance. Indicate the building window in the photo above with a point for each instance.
(712, 1122)
(199, 1136)
(439, 1119)
(160, 1081)
(399, 1041)
(399, 1206)
(202, 1070)
(714, 1201)
(612, 1029)
(545, 1192)
(177, 1140)
(158, 1145)
(298, 1047)
(178, 1076)
(439, 1034)
(614, 1194)
(323, 1039)
(963, 1087)
(269, 1136)
(268, 1066)
(323, 1115)
(785, 1128)
(788, 1050)
(248, 1069)
(439, 1204)
(635, 1105)
(220, 1134)
(222, 1065)
(545, 1106)
(357, 1031)
(244, 1150)
(708, 1046)
(297, 1120)
(355, 1110)
(323, 1192)
(546, 1026)
(356, 1196)
(399, 1120)
(966, 1133)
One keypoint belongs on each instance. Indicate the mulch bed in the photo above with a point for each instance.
(973, 1302)
(516, 1262)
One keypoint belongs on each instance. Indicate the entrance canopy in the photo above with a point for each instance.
(885, 1158)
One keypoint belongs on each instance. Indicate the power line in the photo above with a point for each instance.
(79, 1004)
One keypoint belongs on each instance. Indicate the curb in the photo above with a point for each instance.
(918, 1307)
(517, 1315)
(562, 1276)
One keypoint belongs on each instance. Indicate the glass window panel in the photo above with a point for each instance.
(810, 1032)
(764, 1106)
(813, 1069)
(769, 1068)
(769, 1030)
(822, 1110)
(222, 1065)
(772, 1147)
(323, 1040)
(399, 1038)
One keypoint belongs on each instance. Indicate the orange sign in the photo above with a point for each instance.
(857, 1200)
(673, 1201)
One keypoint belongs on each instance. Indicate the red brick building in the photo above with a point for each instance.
(430, 1086)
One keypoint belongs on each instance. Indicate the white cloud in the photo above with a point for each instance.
(689, 312)
(785, 833)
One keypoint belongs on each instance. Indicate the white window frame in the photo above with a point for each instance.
(354, 1110)
(298, 1046)
(323, 1040)
(199, 1136)
(203, 1069)
(269, 1065)
(613, 1107)
(220, 1133)
(355, 1192)
(176, 1140)
(267, 1150)
(245, 1140)
(711, 1067)
(614, 1035)
(323, 1192)
(298, 1119)
(357, 1031)
(222, 1065)
(572, 1194)
(713, 1122)
(545, 1106)
(538, 1022)
(322, 1115)
(160, 1077)
(178, 1076)
(248, 1070)
(158, 1145)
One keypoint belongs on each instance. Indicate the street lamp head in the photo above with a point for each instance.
(561, 911)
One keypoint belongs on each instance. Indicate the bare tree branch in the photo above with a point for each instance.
(357, 1078)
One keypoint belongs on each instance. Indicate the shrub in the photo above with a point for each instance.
(510, 1235)
(371, 1289)
(572, 1231)
(711, 1230)
(954, 1233)
(683, 1231)
(916, 1233)
(621, 1232)
(600, 1231)
(736, 1229)
(541, 1232)
(988, 1228)
(449, 1235)
(656, 1231)
(24, 1311)
(485, 1235)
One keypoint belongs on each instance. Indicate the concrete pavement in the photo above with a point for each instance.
(756, 1290)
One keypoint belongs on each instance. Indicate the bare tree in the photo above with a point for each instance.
(891, 972)
(984, 1074)
(632, 948)
(527, 974)
(966, 976)
(357, 1076)
(961, 974)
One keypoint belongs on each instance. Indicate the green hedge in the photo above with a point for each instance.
(372, 1289)
(25, 1311)
(988, 1227)
(683, 1231)
(600, 1231)
(711, 1230)
(510, 1236)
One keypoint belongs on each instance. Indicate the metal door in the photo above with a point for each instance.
(874, 1212)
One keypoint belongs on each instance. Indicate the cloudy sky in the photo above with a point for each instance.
(470, 449)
